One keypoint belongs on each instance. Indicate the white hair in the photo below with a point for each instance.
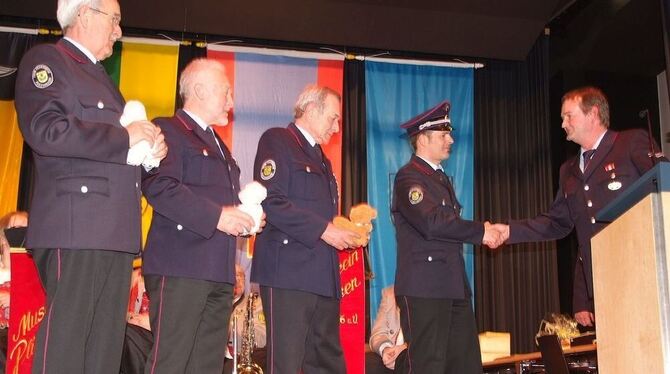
(192, 74)
(67, 11)
(313, 94)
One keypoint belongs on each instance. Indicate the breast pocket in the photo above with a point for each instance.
(308, 182)
(201, 167)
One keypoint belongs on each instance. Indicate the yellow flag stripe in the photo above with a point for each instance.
(11, 146)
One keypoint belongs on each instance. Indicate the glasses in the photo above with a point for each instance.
(116, 19)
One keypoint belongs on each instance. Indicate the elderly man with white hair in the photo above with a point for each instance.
(85, 212)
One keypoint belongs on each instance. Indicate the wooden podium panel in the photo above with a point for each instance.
(631, 289)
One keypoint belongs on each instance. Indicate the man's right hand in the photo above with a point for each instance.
(339, 238)
(585, 318)
(142, 130)
(390, 354)
(233, 221)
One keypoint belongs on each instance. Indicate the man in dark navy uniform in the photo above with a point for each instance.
(431, 285)
(608, 162)
(295, 260)
(85, 213)
(189, 259)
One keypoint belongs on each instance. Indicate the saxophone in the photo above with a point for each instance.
(246, 365)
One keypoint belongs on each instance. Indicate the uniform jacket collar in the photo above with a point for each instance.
(599, 156)
(421, 165)
(191, 126)
(73, 52)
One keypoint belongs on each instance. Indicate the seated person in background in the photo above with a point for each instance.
(138, 340)
(386, 339)
(240, 302)
(8, 221)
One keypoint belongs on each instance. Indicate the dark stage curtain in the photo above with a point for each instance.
(354, 155)
(515, 286)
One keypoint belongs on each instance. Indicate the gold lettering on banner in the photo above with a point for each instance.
(349, 261)
(349, 320)
(24, 347)
(350, 286)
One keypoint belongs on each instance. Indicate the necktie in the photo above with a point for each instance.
(216, 140)
(587, 155)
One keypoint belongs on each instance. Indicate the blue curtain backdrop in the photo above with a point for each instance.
(394, 94)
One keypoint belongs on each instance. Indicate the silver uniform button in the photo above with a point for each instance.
(430, 258)
(84, 189)
(137, 185)
(101, 105)
(180, 227)
(586, 187)
(285, 241)
(589, 203)
(593, 220)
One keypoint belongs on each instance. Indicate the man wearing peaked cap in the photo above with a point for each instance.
(436, 119)
(431, 287)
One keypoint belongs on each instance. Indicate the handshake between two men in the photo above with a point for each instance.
(495, 234)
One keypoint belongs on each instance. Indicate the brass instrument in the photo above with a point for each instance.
(246, 365)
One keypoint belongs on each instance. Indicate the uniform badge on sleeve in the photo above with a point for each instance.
(42, 76)
(415, 195)
(268, 169)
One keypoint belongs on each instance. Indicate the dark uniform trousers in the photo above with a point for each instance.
(188, 320)
(308, 322)
(442, 336)
(104, 287)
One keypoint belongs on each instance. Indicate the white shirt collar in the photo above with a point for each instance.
(307, 136)
(435, 167)
(197, 120)
(82, 49)
(595, 146)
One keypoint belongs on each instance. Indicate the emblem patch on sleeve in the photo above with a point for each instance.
(42, 76)
(268, 169)
(415, 195)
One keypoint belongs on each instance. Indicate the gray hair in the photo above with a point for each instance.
(67, 10)
(191, 74)
(313, 94)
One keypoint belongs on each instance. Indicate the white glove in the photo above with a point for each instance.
(140, 153)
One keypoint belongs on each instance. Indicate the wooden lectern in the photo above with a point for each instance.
(631, 279)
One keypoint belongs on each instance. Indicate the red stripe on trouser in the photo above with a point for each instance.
(46, 337)
(158, 328)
